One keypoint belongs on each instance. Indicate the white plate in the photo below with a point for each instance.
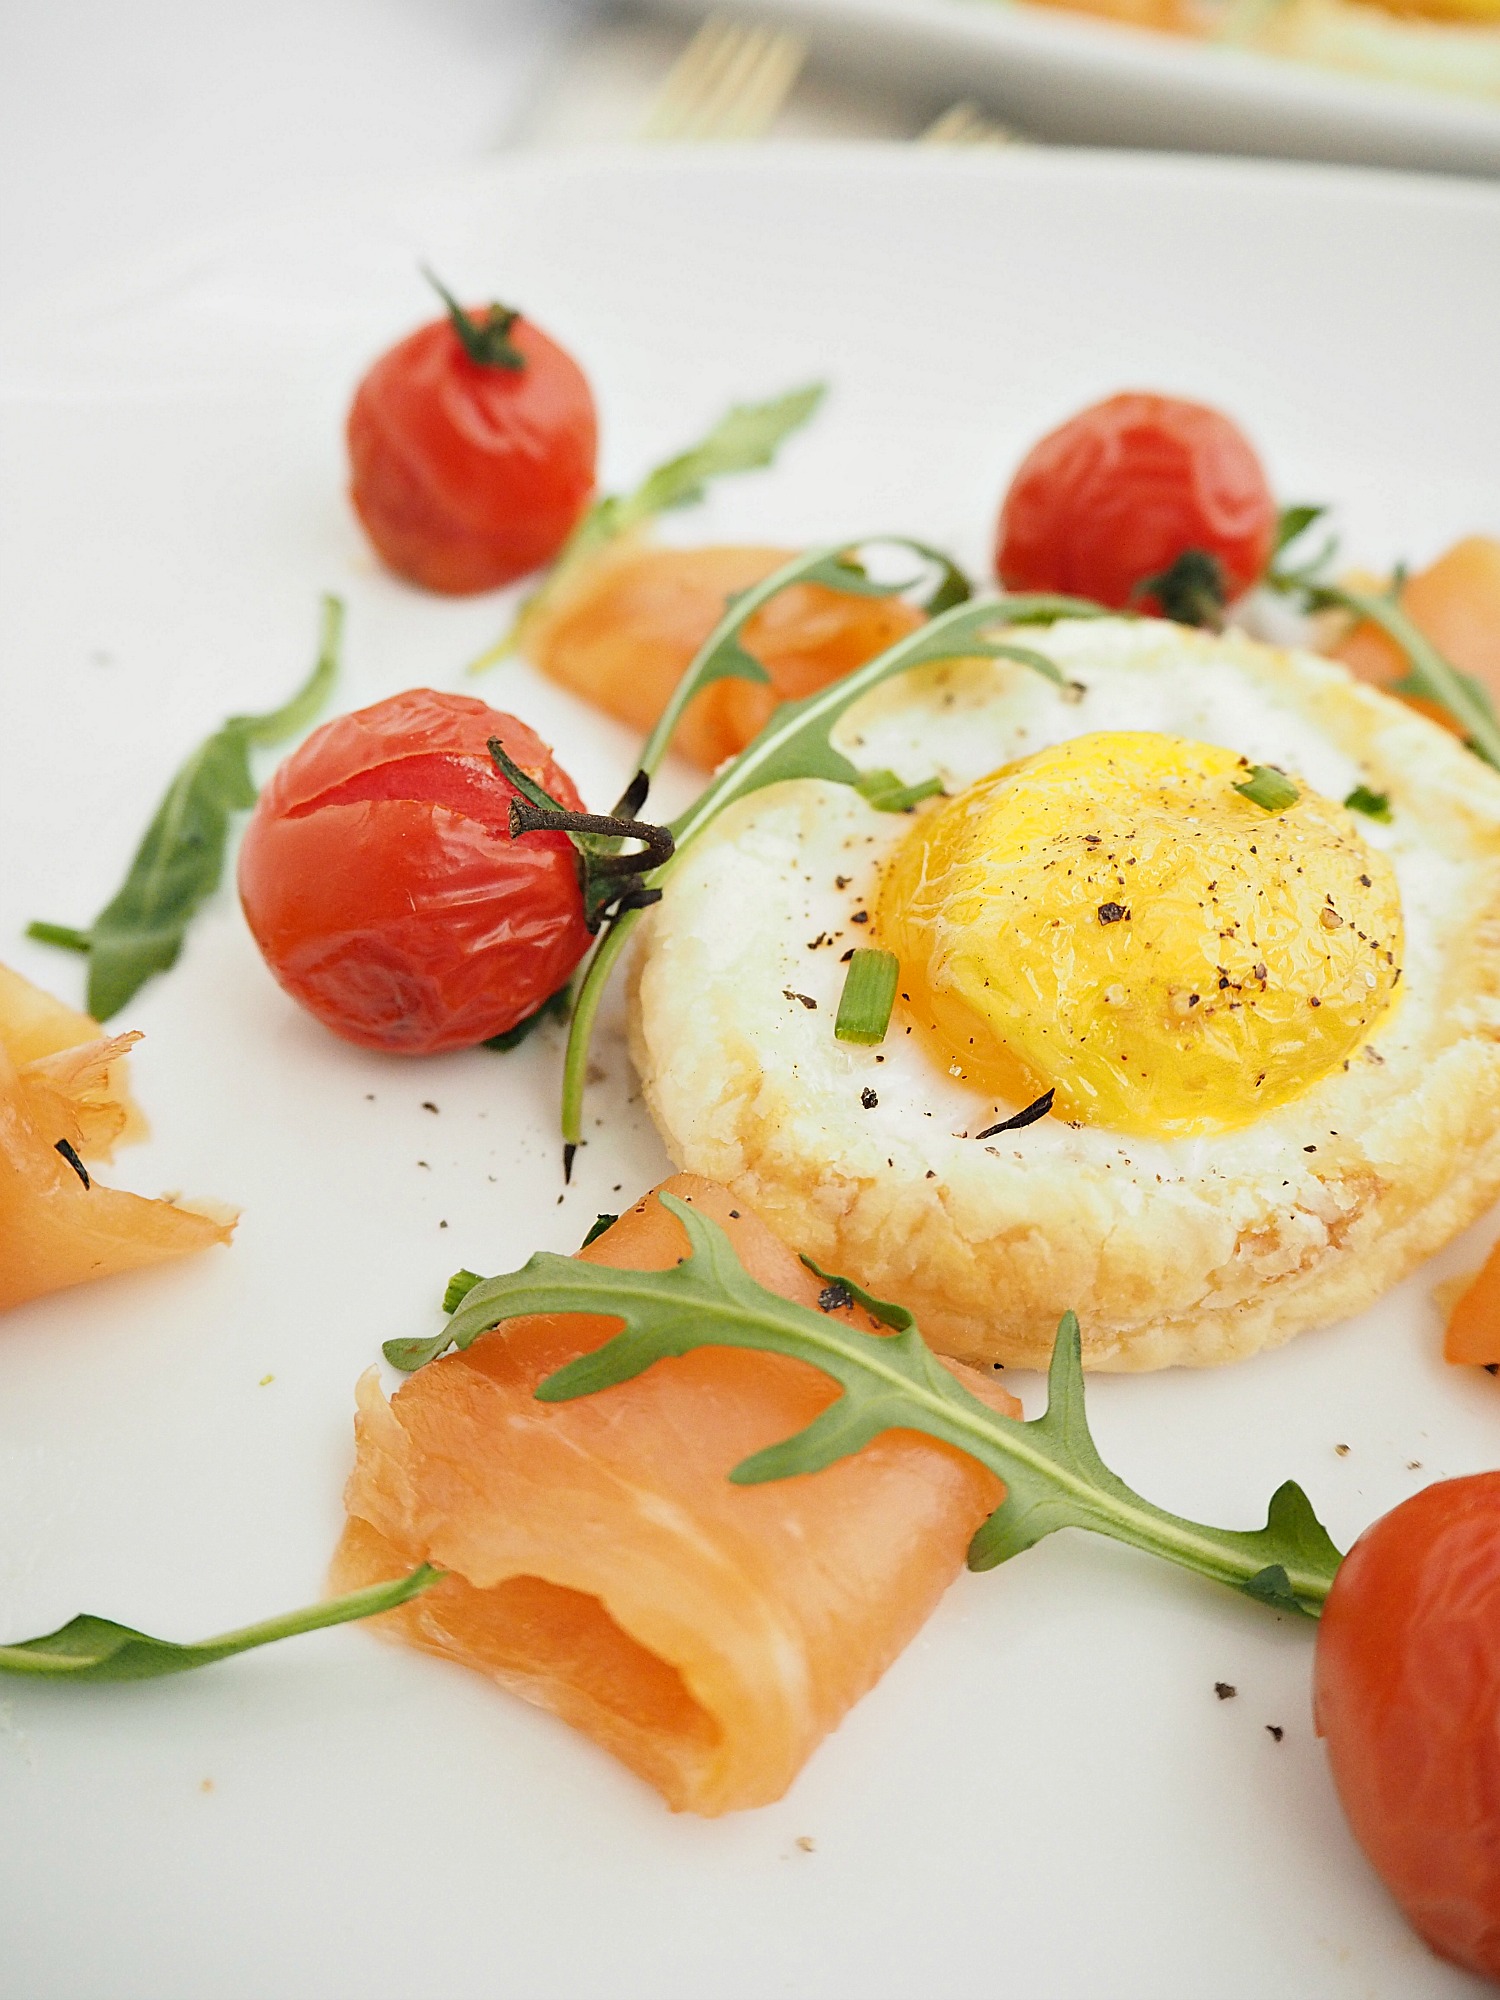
(1069, 77)
(1044, 1797)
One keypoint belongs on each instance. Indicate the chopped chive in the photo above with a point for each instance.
(597, 1228)
(1271, 790)
(63, 935)
(868, 996)
(1374, 805)
(885, 791)
(459, 1287)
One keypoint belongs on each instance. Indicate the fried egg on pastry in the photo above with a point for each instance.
(1272, 1038)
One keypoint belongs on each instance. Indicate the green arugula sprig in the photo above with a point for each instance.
(796, 741)
(1429, 675)
(177, 866)
(1053, 1474)
(746, 438)
(96, 1649)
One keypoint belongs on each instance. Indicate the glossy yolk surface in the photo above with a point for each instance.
(1112, 920)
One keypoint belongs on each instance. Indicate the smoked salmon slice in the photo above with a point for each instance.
(63, 1086)
(602, 1565)
(623, 635)
(1455, 602)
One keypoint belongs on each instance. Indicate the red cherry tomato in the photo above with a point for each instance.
(1126, 488)
(1408, 1698)
(381, 883)
(468, 473)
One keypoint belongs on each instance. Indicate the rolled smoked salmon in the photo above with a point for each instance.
(63, 1079)
(604, 1567)
(622, 636)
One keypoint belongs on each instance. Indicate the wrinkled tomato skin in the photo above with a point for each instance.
(1123, 489)
(380, 881)
(468, 476)
(1408, 1700)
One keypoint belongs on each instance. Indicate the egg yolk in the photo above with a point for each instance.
(1112, 920)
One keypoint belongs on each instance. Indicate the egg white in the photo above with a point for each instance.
(1174, 1250)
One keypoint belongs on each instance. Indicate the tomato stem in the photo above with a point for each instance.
(608, 879)
(1192, 591)
(486, 341)
(657, 840)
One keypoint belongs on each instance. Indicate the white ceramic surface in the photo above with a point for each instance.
(1068, 77)
(1044, 1797)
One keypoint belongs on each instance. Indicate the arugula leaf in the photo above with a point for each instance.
(1053, 1474)
(96, 1649)
(1293, 523)
(746, 438)
(885, 791)
(140, 932)
(796, 741)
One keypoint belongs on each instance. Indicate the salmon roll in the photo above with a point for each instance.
(601, 1564)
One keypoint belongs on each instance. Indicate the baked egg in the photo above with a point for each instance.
(1263, 1028)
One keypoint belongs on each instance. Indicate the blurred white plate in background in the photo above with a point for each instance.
(1078, 79)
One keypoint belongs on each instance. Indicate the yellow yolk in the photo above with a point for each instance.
(1112, 920)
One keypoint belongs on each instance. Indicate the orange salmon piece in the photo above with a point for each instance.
(1472, 1335)
(1455, 603)
(603, 1566)
(63, 1078)
(624, 635)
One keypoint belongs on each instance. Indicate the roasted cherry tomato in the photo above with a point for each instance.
(381, 883)
(1408, 1698)
(471, 450)
(1133, 489)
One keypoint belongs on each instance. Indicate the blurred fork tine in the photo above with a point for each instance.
(965, 124)
(730, 82)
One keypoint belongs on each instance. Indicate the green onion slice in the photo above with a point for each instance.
(1272, 791)
(868, 997)
(1374, 805)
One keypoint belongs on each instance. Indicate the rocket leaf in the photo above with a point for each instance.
(1053, 1474)
(96, 1649)
(744, 439)
(177, 866)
